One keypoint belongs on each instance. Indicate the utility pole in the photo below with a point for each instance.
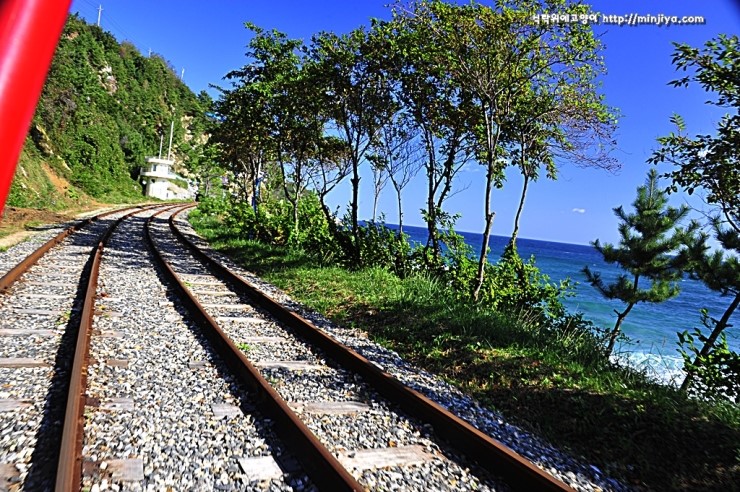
(172, 129)
(100, 10)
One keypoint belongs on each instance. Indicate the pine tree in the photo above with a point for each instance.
(649, 237)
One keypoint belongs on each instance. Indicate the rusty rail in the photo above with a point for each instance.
(320, 465)
(499, 459)
(69, 468)
(15, 273)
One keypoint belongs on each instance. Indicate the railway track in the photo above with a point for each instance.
(184, 376)
(41, 315)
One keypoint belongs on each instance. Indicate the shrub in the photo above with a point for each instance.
(715, 374)
(383, 247)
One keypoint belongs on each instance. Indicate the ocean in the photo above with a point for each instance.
(651, 328)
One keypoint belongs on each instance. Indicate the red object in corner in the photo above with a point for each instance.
(29, 32)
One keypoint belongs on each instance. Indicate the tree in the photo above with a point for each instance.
(433, 103)
(500, 69)
(561, 118)
(206, 167)
(243, 135)
(357, 102)
(709, 162)
(721, 273)
(398, 151)
(649, 237)
(380, 179)
(247, 130)
(332, 166)
(512, 66)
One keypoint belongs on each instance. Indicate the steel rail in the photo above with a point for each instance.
(69, 468)
(319, 464)
(17, 271)
(489, 453)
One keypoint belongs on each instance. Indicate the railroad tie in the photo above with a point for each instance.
(239, 319)
(118, 404)
(260, 468)
(330, 407)
(370, 459)
(225, 410)
(290, 365)
(8, 405)
(258, 340)
(21, 362)
(9, 476)
(130, 470)
(245, 307)
(22, 332)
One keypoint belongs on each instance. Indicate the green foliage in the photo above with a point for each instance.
(103, 109)
(215, 206)
(649, 239)
(714, 369)
(513, 285)
(32, 188)
(383, 247)
(708, 162)
(510, 286)
(272, 223)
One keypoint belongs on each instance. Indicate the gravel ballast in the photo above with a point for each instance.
(163, 412)
(574, 472)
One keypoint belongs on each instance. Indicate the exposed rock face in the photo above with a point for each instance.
(41, 139)
(108, 80)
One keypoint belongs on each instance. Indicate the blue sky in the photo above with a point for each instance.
(208, 39)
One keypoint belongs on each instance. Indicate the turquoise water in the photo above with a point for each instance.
(651, 328)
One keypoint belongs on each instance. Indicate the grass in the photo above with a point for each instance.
(559, 386)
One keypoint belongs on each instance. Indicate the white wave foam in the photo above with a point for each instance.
(661, 368)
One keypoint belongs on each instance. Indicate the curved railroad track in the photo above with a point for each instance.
(146, 364)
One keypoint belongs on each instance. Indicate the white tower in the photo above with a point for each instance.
(157, 176)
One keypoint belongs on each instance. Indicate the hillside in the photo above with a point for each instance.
(103, 109)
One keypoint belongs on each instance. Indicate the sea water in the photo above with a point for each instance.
(651, 329)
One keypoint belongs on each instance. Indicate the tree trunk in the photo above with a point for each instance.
(431, 218)
(483, 259)
(515, 233)
(400, 214)
(718, 328)
(355, 205)
(256, 185)
(615, 331)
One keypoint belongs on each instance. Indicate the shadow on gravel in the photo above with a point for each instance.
(45, 458)
(246, 396)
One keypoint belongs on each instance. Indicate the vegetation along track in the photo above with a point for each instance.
(262, 399)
